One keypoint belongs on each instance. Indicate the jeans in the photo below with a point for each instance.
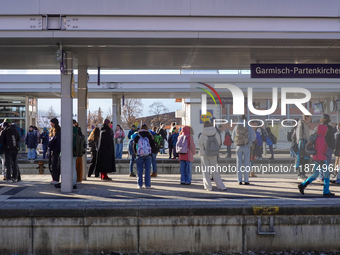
(31, 154)
(74, 170)
(119, 150)
(44, 150)
(229, 151)
(185, 168)
(242, 152)
(320, 166)
(11, 160)
(132, 162)
(141, 162)
(3, 166)
(162, 150)
(300, 163)
(153, 162)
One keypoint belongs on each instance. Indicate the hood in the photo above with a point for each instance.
(134, 135)
(186, 131)
(322, 130)
(208, 131)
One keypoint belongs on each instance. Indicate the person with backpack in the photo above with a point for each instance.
(337, 155)
(271, 139)
(227, 142)
(143, 146)
(132, 131)
(259, 147)
(10, 139)
(302, 137)
(174, 141)
(93, 145)
(186, 149)
(325, 120)
(106, 152)
(119, 137)
(155, 150)
(54, 145)
(209, 144)
(243, 136)
(170, 143)
(162, 132)
(31, 142)
(44, 141)
(320, 160)
(132, 154)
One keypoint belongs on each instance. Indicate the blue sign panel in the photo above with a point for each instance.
(295, 70)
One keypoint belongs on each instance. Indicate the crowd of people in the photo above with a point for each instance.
(144, 144)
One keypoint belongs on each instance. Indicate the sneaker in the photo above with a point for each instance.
(331, 181)
(329, 194)
(302, 188)
(132, 174)
(240, 183)
(319, 180)
(107, 179)
(4, 178)
(300, 178)
(149, 187)
(14, 180)
(182, 183)
(153, 175)
(139, 187)
(58, 186)
(246, 183)
(188, 184)
(54, 182)
(224, 189)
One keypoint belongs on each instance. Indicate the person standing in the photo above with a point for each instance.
(302, 136)
(187, 159)
(132, 154)
(119, 137)
(209, 144)
(270, 141)
(259, 147)
(154, 153)
(132, 131)
(44, 141)
(93, 144)
(143, 145)
(162, 132)
(79, 160)
(174, 141)
(227, 142)
(31, 142)
(243, 136)
(54, 145)
(37, 142)
(106, 152)
(337, 154)
(320, 160)
(2, 158)
(10, 140)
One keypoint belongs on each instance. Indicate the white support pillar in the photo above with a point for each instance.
(115, 102)
(66, 134)
(82, 109)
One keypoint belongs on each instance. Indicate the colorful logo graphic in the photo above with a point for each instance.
(206, 117)
(209, 93)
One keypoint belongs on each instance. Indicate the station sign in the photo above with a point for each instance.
(295, 71)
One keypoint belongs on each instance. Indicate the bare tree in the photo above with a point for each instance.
(50, 113)
(131, 109)
(158, 108)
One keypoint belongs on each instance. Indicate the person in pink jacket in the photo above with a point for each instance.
(320, 160)
(187, 159)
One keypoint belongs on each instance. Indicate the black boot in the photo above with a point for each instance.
(302, 188)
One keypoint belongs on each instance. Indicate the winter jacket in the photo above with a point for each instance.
(119, 136)
(320, 144)
(131, 132)
(258, 138)
(269, 141)
(330, 137)
(162, 133)
(31, 139)
(227, 139)
(202, 141)
(106, 154)
(10, 139)
(302, 131)
(154, 149)
(75, 132)
(191, 145)
(143, 133)
(55, 141)
(174, 139)
(44, 138)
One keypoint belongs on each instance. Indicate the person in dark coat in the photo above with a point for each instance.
(106, 153)
(54, 145)
(93, 144)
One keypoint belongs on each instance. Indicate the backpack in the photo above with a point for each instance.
(10, 141)
(159, 141)
(182, 145)
(80, 148)
(241, 137)
(130, 147)
(310, 145)
(227, 139)
(273, 138)
(213, 148)
(293, 135)
(143, 146)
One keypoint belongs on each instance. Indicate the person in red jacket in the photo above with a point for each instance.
(187, 159)
(227, 142)
(320, 160)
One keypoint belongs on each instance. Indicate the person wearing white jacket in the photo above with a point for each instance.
(209, 162)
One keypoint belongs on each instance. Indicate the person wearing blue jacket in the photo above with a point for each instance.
(31, 142)
(270, 141)
(174, 141)
(243, 136)
(44, 141)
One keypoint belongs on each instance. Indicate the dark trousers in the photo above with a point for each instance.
(174, 152)
(271, 150)
(170, 151)
(55, 165)
(93, 164)
(229, 151)
(11, 161)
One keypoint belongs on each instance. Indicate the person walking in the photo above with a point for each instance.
(54, 146)
(227, 142)
(186, 159)
(44, 141)
(132, 131)
(302, 137)
(320, 160)
(271, 139)
(93, 145)
(162, 132)
(143, 146)
(31, 142)
(106, 152)
(209, 144)
(119, 137)
(243, 136)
